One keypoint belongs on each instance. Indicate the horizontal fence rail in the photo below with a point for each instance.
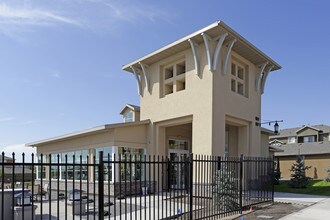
(125, 186)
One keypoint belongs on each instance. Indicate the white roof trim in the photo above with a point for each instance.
(306, 126)
(276, 141)
(128, 106)
(265, 130)
(87, 131)
(198, 33)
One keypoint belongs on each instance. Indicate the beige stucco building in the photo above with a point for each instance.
(200, 94)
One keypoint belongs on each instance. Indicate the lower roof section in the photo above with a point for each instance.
(131, 134)
(313, 148)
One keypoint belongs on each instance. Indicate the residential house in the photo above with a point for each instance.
(200, 94)
(311, 142)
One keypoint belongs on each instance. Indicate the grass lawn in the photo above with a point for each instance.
(315, 187)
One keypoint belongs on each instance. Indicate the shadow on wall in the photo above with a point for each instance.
(315, 173)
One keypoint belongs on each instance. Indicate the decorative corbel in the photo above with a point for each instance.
(260, 75)
(194, 48)
(217, 51)
(145, 75)
(138, 79)
(207, 40)
(264, 78)
(230, 45)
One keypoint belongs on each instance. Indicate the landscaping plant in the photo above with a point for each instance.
(298, 177)
(277, 174)
(223, 190)
(327, 179)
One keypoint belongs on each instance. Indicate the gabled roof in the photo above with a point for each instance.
(290, 132)
(276, 141)
(130, 106)
(313, 148)
(242, 47)
(307, 126)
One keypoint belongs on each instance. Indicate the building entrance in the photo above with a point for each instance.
(177, 169)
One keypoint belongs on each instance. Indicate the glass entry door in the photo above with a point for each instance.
(177, 168)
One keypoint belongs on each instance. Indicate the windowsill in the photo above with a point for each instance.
(240, 95)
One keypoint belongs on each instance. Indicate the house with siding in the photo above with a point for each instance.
(311, 142)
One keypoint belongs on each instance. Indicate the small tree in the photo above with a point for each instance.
(277, 173)
(298, 177)
(223, 190)
(328, 176)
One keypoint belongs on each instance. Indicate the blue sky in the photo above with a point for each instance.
(60, 61)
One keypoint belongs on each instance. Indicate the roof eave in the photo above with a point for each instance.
(90, 131)
(221, 24)
(127, 66)
(130, 107)
(266, 131)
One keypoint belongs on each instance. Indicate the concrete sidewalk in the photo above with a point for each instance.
(298, 198)
(318, 206)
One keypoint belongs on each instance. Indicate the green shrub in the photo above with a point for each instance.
(327, 179)
(277, 174)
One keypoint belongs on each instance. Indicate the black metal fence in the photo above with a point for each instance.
(133, 186)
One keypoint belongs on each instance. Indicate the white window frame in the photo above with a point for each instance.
(38, 166)
(236, 80)
(115, 166)
(310, 139)
(131, 119)
(177, 82)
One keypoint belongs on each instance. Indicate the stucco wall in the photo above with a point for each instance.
(195, 101)
(208, 99)
(264, 149)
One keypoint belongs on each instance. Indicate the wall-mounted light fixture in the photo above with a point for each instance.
(276, 125)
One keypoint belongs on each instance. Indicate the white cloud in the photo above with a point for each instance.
(16, 20)
(27, 16)
(19, 149)
(7, 119)
(134, 13)
(18, 17)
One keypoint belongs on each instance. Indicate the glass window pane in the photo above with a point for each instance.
(128, 116)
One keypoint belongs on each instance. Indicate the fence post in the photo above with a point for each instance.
(191, 170)
(241, 183)
(219, 163)
(273, 176)
(101, 186)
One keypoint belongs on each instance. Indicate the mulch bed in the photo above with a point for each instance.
(273, 211)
